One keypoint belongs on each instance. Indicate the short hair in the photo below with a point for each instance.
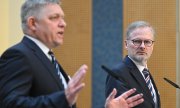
(32, 8)
(138, 24)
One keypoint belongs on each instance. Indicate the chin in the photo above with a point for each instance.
(140, 58)
(56, 44)
(60, 42)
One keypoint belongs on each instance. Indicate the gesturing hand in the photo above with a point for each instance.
(75, 85)
(123, 101)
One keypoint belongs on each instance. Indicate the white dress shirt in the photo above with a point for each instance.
(141, 68)
(45, 50)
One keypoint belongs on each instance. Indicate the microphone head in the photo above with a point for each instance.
(110, 72)
(172, 83)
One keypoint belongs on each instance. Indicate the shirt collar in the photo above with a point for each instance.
(140, 67)
(42, 46)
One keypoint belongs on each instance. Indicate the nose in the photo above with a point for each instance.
(62, 23)
(142, 45)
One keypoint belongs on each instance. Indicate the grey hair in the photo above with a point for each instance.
(32, 8)
(138, 24)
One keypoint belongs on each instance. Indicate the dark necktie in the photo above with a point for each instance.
(148, 82)
(56, 65)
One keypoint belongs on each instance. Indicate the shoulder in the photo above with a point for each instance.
(15, 50)
(17, 54)
(23, 48)
(125, 65)
(120, 68)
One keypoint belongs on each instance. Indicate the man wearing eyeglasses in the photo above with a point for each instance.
(133, 71)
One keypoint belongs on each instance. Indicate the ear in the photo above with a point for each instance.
(31, 23)
(126, 44)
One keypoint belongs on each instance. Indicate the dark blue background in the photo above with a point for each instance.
(107, 44)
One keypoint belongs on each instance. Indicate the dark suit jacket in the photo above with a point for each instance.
(28, 79)
(130, 77)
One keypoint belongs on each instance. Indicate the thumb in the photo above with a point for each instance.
(113, 94)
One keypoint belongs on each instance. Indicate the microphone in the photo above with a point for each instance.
(116, 76)
(172, 83)
(113, 74)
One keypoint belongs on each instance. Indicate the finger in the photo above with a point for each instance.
(110, 98)
(79, 75)
(135, 103)
(126, 94)
(112, 95)
(83, 67)
(134, 98)
(75, 81)
(72, 93)
(78, 88)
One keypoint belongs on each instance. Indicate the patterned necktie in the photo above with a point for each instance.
(148, 82)
(56, 65)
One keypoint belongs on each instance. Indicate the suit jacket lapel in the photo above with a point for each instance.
(134, 71)
(42, 57)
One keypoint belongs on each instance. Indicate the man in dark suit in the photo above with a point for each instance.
(133, 71)
(28, 78)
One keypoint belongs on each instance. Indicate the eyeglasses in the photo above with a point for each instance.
(138, 42)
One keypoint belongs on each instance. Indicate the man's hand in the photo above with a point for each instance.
(123, 101)
(75, 85)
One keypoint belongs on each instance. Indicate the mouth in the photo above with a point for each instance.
(61, 33)
(141, 53)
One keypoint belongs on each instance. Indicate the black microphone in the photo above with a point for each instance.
(113, 74)
(172, 83)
